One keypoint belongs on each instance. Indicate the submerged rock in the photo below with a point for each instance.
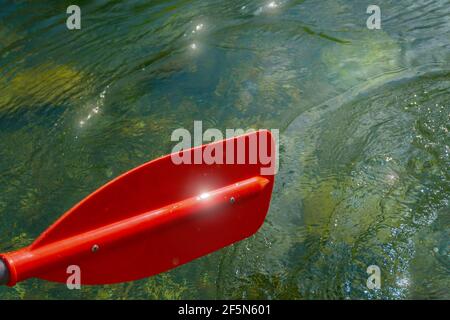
(44, 84)
(372, 55)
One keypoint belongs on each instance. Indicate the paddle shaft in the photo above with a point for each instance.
(29, 262)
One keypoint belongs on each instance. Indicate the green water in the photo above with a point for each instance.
(364, 117)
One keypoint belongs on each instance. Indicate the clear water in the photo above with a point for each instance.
(364, 119)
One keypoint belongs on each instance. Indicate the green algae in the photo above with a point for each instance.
(370, 56)
(44, 84)
(8, 37)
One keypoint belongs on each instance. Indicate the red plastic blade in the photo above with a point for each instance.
(156, 234)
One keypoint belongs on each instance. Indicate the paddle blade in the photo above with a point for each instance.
(175, 228)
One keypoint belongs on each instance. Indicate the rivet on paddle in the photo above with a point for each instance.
(232, 200)
(95, 248)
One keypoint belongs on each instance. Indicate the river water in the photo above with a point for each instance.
(364, 117)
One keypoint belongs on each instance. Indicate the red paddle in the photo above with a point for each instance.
(154, 218)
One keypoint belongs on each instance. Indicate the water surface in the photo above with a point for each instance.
(363, 114)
